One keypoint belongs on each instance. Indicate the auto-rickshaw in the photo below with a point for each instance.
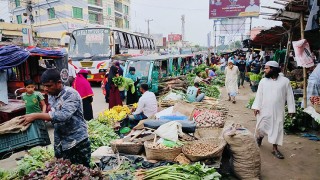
(150, 69)
(38, 61)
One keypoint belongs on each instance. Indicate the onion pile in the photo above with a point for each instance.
(210, 118)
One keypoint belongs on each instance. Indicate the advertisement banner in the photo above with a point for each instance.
(158, 39)
(233, 8)
(174, 37)
(233, 26)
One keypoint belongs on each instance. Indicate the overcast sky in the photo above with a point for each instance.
(166, 15)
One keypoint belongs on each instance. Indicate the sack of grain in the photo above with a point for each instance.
(245, 161)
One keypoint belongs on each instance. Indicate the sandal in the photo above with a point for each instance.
(259, 141)
(278, 154)
(234, 102)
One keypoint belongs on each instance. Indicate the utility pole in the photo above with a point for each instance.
(148, 21)
(183, 28)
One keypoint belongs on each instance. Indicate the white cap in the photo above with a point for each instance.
(272, 64)
(230, 61)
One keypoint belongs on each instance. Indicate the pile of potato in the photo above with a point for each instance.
(200, 149)
(210, 118)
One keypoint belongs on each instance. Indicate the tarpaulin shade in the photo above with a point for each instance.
(11, 56)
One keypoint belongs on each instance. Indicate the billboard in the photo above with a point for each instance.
(174, 37)
(233, 8)
(233, 26)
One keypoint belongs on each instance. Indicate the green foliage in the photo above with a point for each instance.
(295, 123)
(100, 134)
(250, 103)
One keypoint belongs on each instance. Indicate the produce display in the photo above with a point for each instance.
(63, 169)
(32, 161)
(296, 85)
(200, 149)
(296, 122)
(156, 145)
(111, 116)
(210, 118)
(210, 91)
(100, 134)
(315, 100)
(181, 172)
(174, 83)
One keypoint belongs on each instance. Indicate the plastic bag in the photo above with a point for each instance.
(170, 131)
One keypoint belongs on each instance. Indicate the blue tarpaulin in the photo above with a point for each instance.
(45, 52)
(11, 56)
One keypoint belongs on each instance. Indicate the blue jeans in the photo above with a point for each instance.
(200, 97)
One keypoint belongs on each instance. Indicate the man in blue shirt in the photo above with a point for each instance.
(194, 94)
(66, 114)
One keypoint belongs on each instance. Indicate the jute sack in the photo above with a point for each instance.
(245, 161)
(13, 126)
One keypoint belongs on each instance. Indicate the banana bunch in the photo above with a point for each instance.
(111, 116)
(294, 84)
(135, 105)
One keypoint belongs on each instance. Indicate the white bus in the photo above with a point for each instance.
(92, 48)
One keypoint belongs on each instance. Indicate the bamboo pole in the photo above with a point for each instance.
(286, 61)
(304, 69)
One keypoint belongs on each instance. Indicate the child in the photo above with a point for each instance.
(33, 99)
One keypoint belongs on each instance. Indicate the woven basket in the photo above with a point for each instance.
(161, 154)
(132, 149)
(221, 143)
(207, 133)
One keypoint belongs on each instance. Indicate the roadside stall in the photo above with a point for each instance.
(31, 64)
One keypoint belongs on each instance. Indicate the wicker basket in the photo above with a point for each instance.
(132, 149)
(161, 154)
(207, 133)
(221, 143)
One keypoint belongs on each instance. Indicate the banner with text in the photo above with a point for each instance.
(233, 8)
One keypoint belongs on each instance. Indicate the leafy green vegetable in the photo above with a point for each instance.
(250, 103)
(295, 123)
(183, 172)
(100, 134)
(118, 81)
(210, 90)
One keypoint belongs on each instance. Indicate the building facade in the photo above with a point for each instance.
(54, 18)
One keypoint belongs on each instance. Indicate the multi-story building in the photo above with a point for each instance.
(53, 18)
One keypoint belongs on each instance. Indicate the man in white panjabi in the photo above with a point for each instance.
(232, 72)
(269, 106)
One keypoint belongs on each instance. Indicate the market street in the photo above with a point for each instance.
(297, 166)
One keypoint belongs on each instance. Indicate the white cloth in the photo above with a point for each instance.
(197, 79)
(270, 100)
(223, 62)
(232, 80)
(72, 71)
(4, 87)
(272, 64)
(147, 104)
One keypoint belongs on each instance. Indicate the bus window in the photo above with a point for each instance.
(145, 45)
(130, 41)
(123, 43)
(141, 43)
(152, 44)
(135, 43)
(148, 43)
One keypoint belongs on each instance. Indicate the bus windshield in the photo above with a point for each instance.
(142, 69)
(89, 43)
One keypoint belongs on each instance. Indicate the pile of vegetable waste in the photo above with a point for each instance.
(100, 134)
(180, 172)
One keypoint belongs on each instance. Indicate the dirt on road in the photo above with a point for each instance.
(302, 156)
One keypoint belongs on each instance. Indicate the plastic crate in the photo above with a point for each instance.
(35, 135)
